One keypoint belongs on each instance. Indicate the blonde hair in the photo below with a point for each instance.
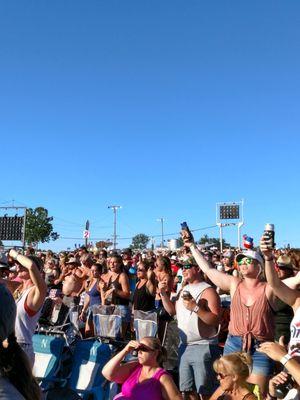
(156, 345)
(238, 363)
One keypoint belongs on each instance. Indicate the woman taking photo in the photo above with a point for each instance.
(251, 312)
(163, 273)
(142, 379)
(233, 371)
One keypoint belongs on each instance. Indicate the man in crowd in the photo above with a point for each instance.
(197, 308)
(72, 278)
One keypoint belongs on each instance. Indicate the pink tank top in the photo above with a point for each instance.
(149, 389)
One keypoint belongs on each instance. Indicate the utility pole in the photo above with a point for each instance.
(87, 227)
(115, 208)
(161, 220)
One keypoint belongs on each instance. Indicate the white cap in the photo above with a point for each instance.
(251, 254)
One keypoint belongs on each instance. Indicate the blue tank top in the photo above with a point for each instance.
(95, 298)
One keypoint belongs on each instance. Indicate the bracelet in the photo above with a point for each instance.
(269, 259)
(285, 359)
(271, 397)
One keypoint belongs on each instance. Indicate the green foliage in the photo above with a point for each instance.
(38, 226)
(140, 241)
(180, 241)
(214, 241)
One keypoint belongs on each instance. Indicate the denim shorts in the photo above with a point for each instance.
(125, 313)
(262, 364)
(196, 368)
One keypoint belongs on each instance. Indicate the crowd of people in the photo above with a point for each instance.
(242, 351)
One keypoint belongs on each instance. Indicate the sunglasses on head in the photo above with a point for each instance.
(245, 260)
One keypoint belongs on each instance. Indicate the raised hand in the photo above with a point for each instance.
(266, 246)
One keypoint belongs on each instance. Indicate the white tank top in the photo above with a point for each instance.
(295, 334)
(188, 321)
(25, 324)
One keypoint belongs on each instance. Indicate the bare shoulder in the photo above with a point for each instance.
(166, 378)
(170, 390)
(209, 293)
(218, 392)
(123, 276)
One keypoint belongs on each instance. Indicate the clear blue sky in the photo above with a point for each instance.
(164, 107)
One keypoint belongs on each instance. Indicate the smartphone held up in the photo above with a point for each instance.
(186, 233)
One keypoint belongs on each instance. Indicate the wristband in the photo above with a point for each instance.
(196, 309)
(271, 397)
(269, 259)
(285, 359)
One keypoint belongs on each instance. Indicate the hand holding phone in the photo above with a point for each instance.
(186, 234)
(186, 295)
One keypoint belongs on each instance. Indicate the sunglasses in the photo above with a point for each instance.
(188, 266)
(221, 376)
(284, 268)
(246, 261)
(145, 349)
(141, 270)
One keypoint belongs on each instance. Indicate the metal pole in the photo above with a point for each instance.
(161, 220)
(115, 228)
(115, 208)
(240, 224)
(152, 243)
(221, 238)
(24, 229)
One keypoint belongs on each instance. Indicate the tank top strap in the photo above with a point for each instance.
(24, 295)
(159, 373)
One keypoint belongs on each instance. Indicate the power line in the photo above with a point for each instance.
(154, 236)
